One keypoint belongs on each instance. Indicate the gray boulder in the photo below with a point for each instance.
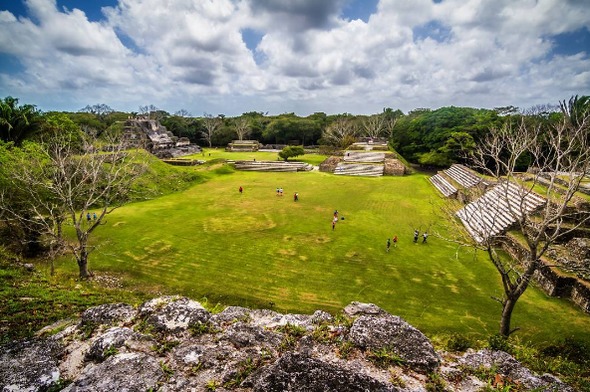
(114, 340)
(230, 315)
(389, 332)
(510, 370)
(242, 335)
(29, 365)
(296, 372)
(127, 372)
(363, 309)
(173, 314)
(109, 314)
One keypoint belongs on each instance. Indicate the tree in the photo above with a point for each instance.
(341, 132)
(100, 110)
(60, 183)
(374, 125)
(559, 154)
(242, 126)
(211, 125)
(291, 151)
(183, 113)
(17, 123)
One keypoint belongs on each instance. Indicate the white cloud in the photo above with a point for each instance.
(191, 54)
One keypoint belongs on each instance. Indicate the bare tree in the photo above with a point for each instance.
(63, 184)
(341, 132)
(541, 204)
(183, 113)
(212, 125)
(374, 125)
(242, 125)
(99, 109)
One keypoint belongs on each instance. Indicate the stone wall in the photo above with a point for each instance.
(551, 280)
(394, 167)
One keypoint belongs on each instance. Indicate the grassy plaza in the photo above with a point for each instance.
(258, 249)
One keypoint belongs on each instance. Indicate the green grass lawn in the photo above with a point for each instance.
(209, 154)
(259, 250)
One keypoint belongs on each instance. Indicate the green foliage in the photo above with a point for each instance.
(434, 158)
(323, 334)
(59, 385)
(164, 346)
(292, 333)
(435, 383)
(290, 152)
(292, 330)
(499, 342)
(458, 342)
(58, 125)
(441, 134)
(397, 381)
(245, 368)
(18, 122)
(212, 385)
(197, 329)
(385, 357)
(168, 372)
(87, 329)
(112, 350)
(345, 348)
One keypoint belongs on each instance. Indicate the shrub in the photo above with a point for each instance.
(458, 342)
(499, 342)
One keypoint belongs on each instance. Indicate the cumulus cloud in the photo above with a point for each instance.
(305, 56)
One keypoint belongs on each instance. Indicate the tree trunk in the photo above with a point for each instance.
(507, 308)
(83, 265)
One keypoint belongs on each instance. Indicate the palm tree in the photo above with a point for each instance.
(17, 123)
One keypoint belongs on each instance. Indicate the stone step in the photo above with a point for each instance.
(445, 187)
(498, 209)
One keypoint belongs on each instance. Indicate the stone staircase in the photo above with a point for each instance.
(359, 169)
(365, 157)
(463, 176)
(272, 166)
(361, 163)
(444, 187)
(498, 209)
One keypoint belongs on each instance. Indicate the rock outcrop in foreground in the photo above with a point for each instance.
(174, 344)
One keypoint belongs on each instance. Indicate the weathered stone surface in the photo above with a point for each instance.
(358, 309)
(129, 372)
(243, 335)
(114, 339)
(296, 372)
(511, 370)
(230, 315)
(245, 350)
(109, 314)
(393, 333)
(29, 366)
(319, 316)
(173, 314)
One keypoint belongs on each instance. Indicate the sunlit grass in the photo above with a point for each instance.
(260, 250)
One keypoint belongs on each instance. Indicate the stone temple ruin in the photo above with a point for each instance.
(145, 133)
(490, 210)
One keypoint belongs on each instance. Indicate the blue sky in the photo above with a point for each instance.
(302, 56)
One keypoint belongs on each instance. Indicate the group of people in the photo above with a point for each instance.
(279, 193)
(417, 235)
(389, 242)
(91, 217)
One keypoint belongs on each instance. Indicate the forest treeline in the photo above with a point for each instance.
(422, 136)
